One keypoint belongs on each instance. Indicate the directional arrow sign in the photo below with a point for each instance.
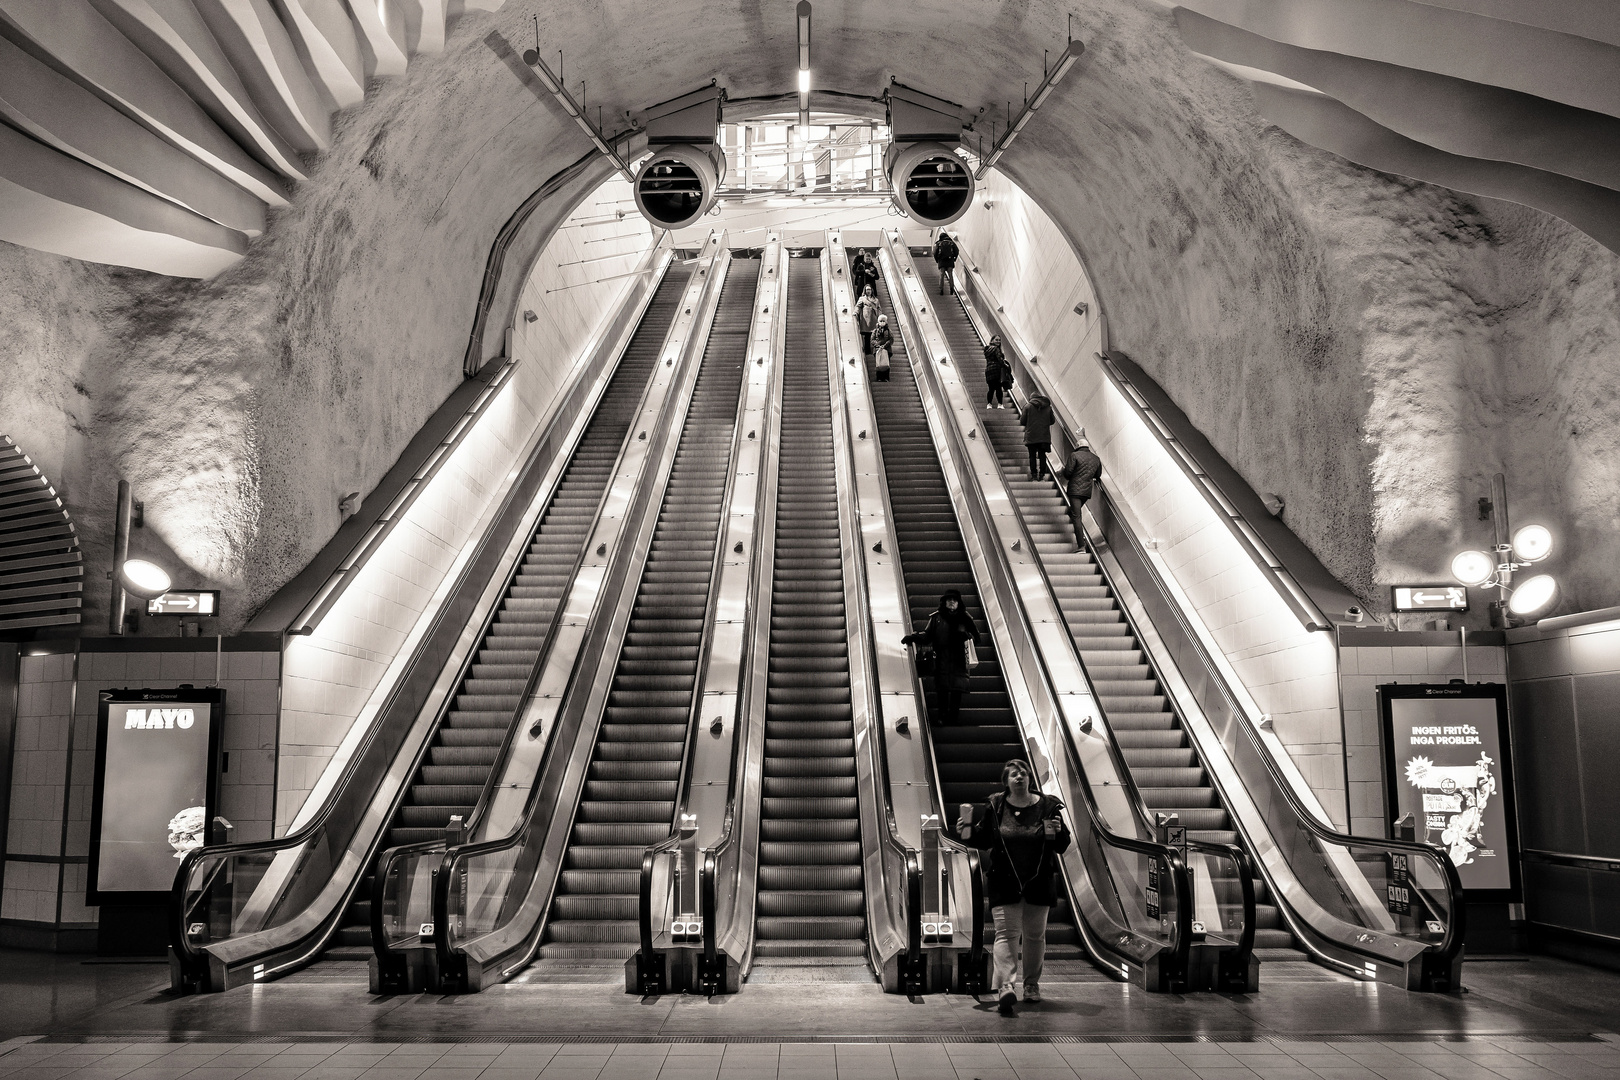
(185, 602)
(1429, 598)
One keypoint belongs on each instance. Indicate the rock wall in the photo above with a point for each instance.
(1369, 347)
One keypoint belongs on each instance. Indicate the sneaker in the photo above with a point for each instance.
(1008, 1005)
(1032, 993)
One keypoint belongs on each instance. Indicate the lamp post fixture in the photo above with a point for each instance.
(1479, 569)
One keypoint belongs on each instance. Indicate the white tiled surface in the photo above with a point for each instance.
(332, 677)
(47, 699)
(1362, 669)
(1509, 1059)
(1290, 673)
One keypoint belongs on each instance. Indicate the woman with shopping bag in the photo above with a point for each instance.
(882, 346)
(953, 637)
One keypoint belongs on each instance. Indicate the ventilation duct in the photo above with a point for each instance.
(932, 184)
(677, 184)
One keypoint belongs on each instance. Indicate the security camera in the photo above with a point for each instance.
(1355, 614)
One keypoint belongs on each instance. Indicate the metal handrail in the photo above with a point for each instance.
(448, 953)
(1181, 935)
(1450, 947)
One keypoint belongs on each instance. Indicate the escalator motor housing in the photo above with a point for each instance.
(931, 182)
(676, 185)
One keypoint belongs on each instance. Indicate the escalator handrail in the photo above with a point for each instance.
(1181, 938)
(455, 855)
(1451, 945)
(1133, 793)
(907, 856)
(707, 868)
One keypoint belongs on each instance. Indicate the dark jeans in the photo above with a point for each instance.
(1075, 506)
(945, 276)
(950, 700)
(995, 396)
(1037, 460)
(866, 342)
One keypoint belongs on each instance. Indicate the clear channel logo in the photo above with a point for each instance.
(159, 719)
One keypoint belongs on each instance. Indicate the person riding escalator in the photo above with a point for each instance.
(951, 635)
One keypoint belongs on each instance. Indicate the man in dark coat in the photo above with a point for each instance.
(1079, 476)
(948, 631)
(945, 253)
(1037, 421)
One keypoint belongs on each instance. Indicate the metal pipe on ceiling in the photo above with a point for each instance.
(1042, 92)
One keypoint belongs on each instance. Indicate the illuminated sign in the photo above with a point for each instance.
(1429, 598)
(1446, 761)
(154, 788)
(194, 602)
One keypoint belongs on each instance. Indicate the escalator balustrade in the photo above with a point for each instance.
(631, 788)
(1156, 749)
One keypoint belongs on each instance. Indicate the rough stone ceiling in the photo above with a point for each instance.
(1370, 346)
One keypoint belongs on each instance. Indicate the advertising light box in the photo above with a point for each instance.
(154, 788)
(1446, 757)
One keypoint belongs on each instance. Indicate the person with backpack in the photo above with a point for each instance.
(945, 255)
(1023, 832)
(866, 318)
(1037, 421)
(882, 348)
(949, 632)
(1080, 476)
(998, 375)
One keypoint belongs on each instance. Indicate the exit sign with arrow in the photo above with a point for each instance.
(1429, 597)
(193, 602)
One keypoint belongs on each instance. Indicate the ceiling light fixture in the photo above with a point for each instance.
(804, 67)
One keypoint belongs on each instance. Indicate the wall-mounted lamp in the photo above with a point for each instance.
(529, 315)
(349, 505)
(989, 205)
(1081, 308)
(144, 578)
(1494, 569)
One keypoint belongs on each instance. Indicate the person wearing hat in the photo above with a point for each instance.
(882, 348)
(1037, 420)
(949, 630)
(1080, 476)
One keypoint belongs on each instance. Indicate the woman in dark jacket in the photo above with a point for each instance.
(948, 631)
(1023, 831)
(998, 374)
(1037, 421)
(882, 348)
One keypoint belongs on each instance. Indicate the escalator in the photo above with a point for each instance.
(634, 774)
(1160, 756)
(970, 755)
(467, 744)
(810, 902)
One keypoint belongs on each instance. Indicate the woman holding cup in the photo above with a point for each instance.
(1023, 831)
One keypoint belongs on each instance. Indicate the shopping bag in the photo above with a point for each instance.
(883, 361)
(970, 654)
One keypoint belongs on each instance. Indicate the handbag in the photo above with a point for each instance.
(883, 359)
(970, 654)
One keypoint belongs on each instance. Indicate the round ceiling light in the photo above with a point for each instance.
(146, 580)
(1532, 543)
(1473, 568)
(1533, 594)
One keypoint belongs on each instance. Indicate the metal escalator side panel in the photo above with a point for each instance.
(737, 849)
(317, 893)
(520, 868)
(1120, 917)
(893, 770)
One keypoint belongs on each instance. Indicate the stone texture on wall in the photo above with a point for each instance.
(1371, 348)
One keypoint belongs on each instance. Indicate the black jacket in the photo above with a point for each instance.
(1081, 472)
(1003, 883)
(945, 251)
(882, 338)
(997, 372)
(1037, 421)
(947, 635)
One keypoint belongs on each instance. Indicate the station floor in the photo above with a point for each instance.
(62, 1017)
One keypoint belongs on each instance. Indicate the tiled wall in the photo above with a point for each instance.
(1290, 673)
(56, 701)
(1364, 665)
(335, 679)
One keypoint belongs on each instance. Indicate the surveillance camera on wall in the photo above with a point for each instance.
(932, 183)
(678, 182)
